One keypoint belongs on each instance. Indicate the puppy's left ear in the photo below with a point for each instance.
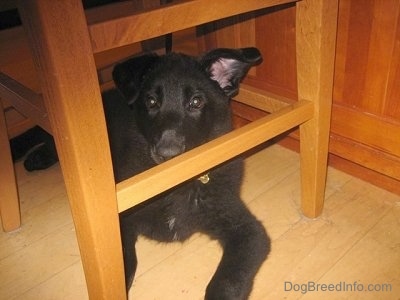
(229, 66)
(128, 75)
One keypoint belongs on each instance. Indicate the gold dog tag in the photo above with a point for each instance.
(204, 179)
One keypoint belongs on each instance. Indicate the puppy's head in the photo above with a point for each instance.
(180, 101)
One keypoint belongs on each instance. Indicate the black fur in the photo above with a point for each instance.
(166, 105)
(37, 148)
(177, 103)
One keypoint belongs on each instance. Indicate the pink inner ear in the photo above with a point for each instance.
(222, 71)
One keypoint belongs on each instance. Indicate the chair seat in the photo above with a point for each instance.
(120, 24)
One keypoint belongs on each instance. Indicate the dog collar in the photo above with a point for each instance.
(204, 179)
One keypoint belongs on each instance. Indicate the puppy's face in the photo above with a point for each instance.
(181, 102)
(179, 107)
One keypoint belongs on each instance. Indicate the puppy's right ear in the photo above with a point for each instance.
(129, 75)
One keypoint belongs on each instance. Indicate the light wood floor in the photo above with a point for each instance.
(355, 242)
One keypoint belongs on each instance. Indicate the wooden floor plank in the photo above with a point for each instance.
(183, 275)
(373, 260)
(357, 238)
(41, 215)
(69, 284)
(38, 262)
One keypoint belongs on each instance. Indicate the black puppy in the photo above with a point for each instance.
(176, 103)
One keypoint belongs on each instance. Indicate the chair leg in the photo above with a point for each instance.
(9, 202)
(59, 38)
(316, 22)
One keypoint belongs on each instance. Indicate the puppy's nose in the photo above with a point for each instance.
(170, 145)
(169, 151)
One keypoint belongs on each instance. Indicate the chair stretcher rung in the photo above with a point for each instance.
(192, 163)
(24, 100)
(261, 99)
(120, 24)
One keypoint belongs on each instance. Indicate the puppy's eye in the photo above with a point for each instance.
(196, 103)
(152, 103)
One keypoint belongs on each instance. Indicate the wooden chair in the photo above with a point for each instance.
(63, 42)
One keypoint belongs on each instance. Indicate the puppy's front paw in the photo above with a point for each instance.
(224, 291)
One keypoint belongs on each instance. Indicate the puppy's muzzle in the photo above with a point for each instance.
(170, 145)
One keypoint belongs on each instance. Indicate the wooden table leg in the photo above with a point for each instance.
(60, 43)
(9, 202)
(315, 45)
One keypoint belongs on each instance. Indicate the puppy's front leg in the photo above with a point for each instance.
(245, 249)
(129, 237)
